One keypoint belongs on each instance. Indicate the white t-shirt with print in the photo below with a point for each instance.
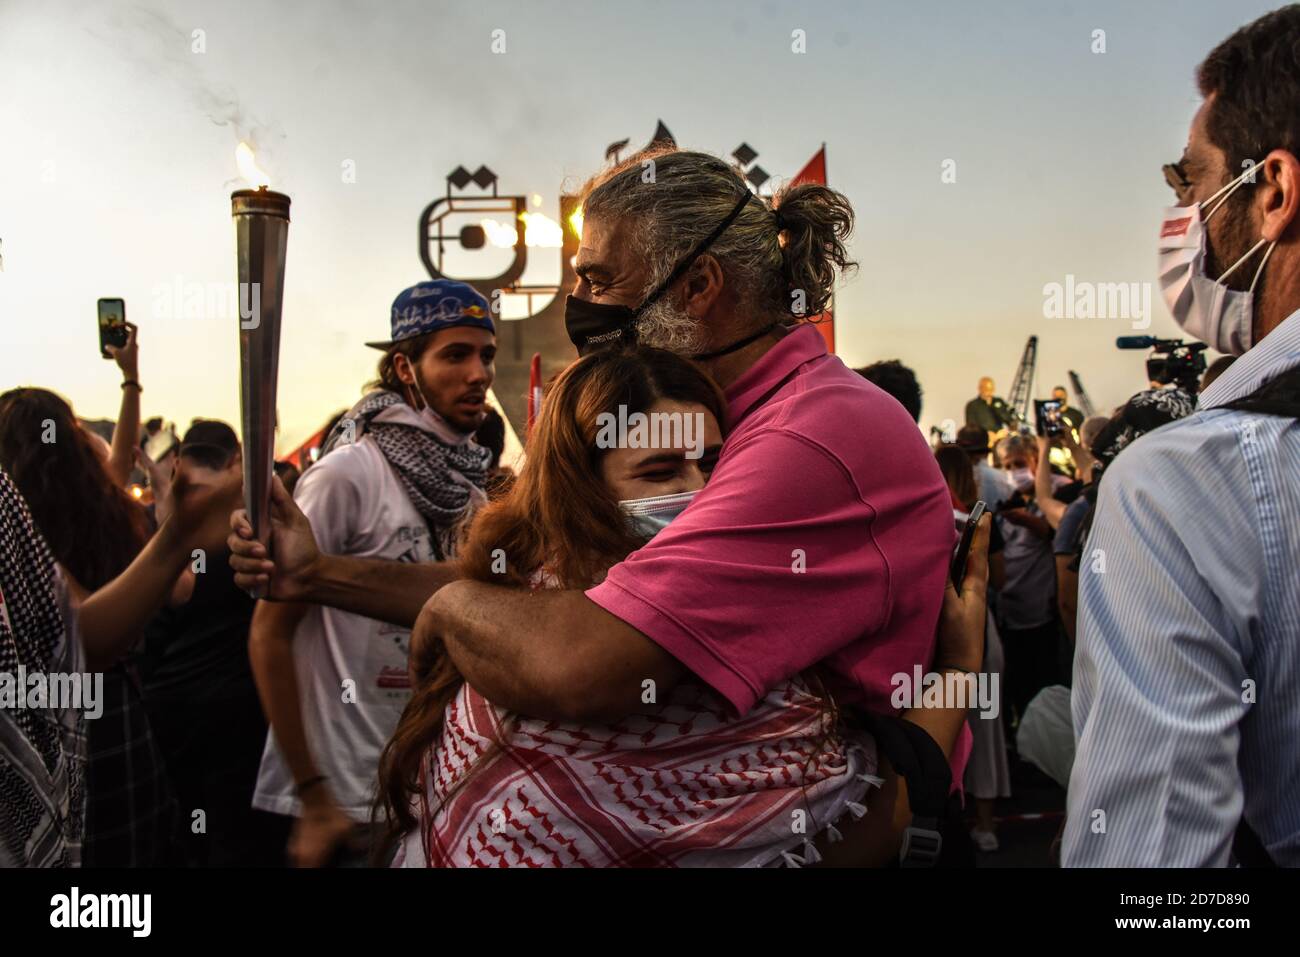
(352, 671)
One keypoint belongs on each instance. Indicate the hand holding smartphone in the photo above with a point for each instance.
(962, 555)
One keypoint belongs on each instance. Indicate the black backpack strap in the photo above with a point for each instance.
(1278, 396)
(925, 768)
(1248, 849)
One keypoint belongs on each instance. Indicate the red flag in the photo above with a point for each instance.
(534, 391)
(815, 172)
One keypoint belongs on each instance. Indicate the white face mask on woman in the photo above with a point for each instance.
(1022, 479)
(1205, 308)
(650, 516)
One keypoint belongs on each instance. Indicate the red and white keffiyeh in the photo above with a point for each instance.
(682, 784)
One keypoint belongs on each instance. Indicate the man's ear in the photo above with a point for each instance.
(704, 285)
(402, 366)
(1281, 174)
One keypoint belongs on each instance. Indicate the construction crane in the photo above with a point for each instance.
(1081, 396)
(1022, 385)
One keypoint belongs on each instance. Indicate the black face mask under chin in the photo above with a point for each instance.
(596, 325)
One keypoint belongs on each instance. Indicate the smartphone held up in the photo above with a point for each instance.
(112, 325)
(961, 556)
(1047, 417)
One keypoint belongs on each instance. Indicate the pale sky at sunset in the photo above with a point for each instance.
(115, 178)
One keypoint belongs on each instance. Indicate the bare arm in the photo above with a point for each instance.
(322, 826)
(1035, 523)
(1083, 459)
(997, 571)
(299, 572)
(270, 652)
(1067, 594)
(183, 590)
(875, 839)
(1052, 509)
(126, 432)
(557, 655)
(390, 591)
(548, 654)
(160, 480)
(111, 619)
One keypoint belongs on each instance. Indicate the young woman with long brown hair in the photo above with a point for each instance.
(48, 624)
(683, 782)
(94, 530)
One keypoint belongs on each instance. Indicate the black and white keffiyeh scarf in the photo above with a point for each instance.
(423, 464)
(1143, 413)
(42, 751)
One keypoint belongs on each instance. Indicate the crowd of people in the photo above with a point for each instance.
(688, 651)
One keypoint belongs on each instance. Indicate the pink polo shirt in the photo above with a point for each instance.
(824, 535)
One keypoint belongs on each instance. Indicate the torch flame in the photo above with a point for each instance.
(499, 234)
(539, 230)
(575, 221)
(248, 167)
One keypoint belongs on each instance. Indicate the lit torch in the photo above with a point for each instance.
(261, 237)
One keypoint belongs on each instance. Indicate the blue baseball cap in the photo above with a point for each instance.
(437, 304)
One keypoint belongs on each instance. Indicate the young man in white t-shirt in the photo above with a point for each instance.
(397, 477)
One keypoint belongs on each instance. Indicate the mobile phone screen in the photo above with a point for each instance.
(161, 445)
(112, 325)
(962, 555)
(1048, 416)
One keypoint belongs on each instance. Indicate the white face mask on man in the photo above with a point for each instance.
(650, 516)
(1205, 308)
(440, 426)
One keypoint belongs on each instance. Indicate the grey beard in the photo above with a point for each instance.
(664, 325)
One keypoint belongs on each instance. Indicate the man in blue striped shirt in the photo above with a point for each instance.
(1187, 670)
